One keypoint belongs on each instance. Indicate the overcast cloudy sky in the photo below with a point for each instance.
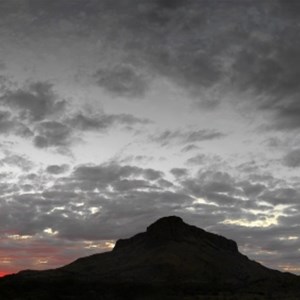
(115, 113)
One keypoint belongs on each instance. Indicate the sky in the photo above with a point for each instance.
(116, 113)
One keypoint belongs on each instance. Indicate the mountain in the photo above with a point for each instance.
(171, 260)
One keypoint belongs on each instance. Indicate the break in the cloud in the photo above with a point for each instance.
(205, 77)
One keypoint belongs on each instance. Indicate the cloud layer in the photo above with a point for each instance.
(91, 204)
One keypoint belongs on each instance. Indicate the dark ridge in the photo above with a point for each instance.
(170, 260)
(173, 229)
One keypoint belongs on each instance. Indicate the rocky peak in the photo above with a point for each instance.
(173, 229)
(169, 228)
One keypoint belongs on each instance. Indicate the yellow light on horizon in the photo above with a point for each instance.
(269, 221)
(50, 231)
(103, 245)
(19, 237)
(270, 218)
(289, 238)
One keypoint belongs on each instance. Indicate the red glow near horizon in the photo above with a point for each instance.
(21, 253)
(3, 273)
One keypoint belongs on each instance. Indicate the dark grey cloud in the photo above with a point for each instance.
(2, 65)
(27, 187)
(252, 189)
(75, 213)
(122, 80)
(34, 102)
(249, 167)
(52, 134)
(134, 184)
(268, 67)
(226, 191)
(62, 196)
(63, 132)
(3, 83)
(11, 125)
(185, 137)
(15, 160)
(28, 113)
(189, 148)
(210, 48)
(47, 11)
(224, 200)
(5, 122)
(111, 175)
(204, 160)
(291, 221)
(152, 174)
(273, 142)
(250, 48)
(197, 160)
(179, 172)
(104, 121)
(151, 34)
(273, 80)
(116, 178)
(165, 184)
(203, 135)
(214, 186)
(139, 159)
(292, 159)
(57, 169)
(285, 196)
(169, 4)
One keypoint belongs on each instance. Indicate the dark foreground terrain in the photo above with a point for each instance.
(171, 260)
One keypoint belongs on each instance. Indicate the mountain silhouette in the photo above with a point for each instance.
(171, 260)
